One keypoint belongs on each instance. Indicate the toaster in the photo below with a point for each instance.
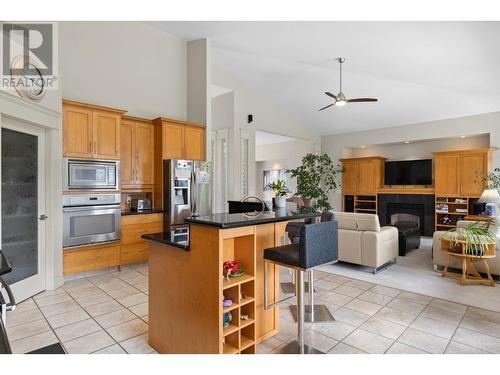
(140, 205)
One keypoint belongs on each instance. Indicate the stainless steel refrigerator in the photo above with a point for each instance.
(187, 190)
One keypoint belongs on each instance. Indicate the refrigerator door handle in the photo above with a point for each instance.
(193, 192)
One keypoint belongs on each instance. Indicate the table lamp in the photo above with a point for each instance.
(491, 198)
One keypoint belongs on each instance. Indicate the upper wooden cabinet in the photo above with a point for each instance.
(461, 173)
(137, 153)
(362, 176)
(180, 139)
(91, 131)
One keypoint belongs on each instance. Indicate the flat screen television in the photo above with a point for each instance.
(408, 172)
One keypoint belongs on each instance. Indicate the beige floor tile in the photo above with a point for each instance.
(35, 342)
(325, 284)
(336, 330)
(379, 299)
(448, 306)
(75, 330)
(137, 345)
(399, 348)
(349, 290)
(103, 277)
(15, 318)
(85, 292)
(390, 292)
(457, 348)
(287, 332)
(108, 285)
(145, 318)
(143, 287)
(448, 317)
(477, 340)
(49, 293)
(363, 285)
(363, 306)
(52, 300)
(334, 298)
(368, 342)
(29, 329)
(113, 349)
(133, 300)
(115, 318)
(383, 328)
(483, 326)
(125, 331)
(128, 274)
(351, 317)
(434, 327)
(406, 306)
(342, 348)
(90, 343)
(141, 309)
(337, 279)
(64, 319)
(123, 292)
(268, 346)
(27, 305)
(59, 308)
(318, 341)
(76, 284)
(423, 341)
(489, 316)
(396, 316)
(103, 308)
(137, 280)
(93, 300)
(415, 298)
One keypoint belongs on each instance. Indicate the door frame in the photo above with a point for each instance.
(24, 289)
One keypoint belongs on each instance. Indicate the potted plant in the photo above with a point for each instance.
(476, 235)
(316, 177)
(280, 192)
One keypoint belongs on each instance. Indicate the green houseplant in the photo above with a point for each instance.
(476, 235)
(316, 177)
(493, 179)
(280, 191)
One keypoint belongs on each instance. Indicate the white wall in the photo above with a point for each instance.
(223, 111)
(338, 146)
(126, 65)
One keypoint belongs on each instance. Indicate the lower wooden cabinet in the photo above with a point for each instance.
(131, 249)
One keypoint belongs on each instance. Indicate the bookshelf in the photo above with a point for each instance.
(449, 210)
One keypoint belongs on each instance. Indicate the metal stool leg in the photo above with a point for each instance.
(313, 313)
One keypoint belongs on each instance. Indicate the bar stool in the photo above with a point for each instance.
(317, 246)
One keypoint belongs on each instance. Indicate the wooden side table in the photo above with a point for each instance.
(478, 218)
(469, 275)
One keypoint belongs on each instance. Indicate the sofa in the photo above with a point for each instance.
(439, 257)
(363, 241)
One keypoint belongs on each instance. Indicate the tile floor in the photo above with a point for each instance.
(108, 313)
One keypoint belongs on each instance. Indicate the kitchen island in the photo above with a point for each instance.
(187, 286)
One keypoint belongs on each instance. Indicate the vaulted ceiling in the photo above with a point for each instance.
(419, 71)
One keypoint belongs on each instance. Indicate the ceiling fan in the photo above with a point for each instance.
(340, 100)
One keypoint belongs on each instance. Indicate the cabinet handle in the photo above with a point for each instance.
(95, 147)
(90, 147)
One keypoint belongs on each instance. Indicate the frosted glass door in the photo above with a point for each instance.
(21, 207)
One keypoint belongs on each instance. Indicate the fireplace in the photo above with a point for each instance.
(410, 212)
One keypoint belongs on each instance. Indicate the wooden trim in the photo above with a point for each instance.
(92, 106)
(409, 190)
(135, 119)
(469, 151)
(364, 158)
(159, 120)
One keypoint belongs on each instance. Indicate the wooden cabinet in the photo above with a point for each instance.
(137, 154)
(461, 173)
(133, 248)
(89, 258)
(180, 139)
(91, 131)
(362, 176)
(350, 177)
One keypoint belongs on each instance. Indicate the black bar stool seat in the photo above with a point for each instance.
(287, 255)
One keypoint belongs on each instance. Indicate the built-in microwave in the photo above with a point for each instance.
(91, 174)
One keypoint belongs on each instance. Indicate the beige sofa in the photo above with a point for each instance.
(439, 257)
(362, 240)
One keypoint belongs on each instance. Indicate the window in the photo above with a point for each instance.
(273, 175)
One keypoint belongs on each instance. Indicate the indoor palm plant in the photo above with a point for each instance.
(280, 191)
(476, 235)
(316, 177)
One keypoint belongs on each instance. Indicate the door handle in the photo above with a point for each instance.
(43, 217)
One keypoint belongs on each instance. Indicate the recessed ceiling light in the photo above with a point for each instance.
(463, 136)
(407, 142)
(362, 146)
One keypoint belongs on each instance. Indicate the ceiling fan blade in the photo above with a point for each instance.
(362, 100)
(329, 105)
(331, 95)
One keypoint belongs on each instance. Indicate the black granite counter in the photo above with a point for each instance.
(4, 265)
(226, 220)
(177, 237)
(148, 212)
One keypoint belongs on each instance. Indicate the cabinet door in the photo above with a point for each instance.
(349, 177)
(127, 153)
(173, 141)
(366, 177)
(144, 153)
(473, 167)
(106, 135)
(77, 132)
(447, 175)
(194, 143)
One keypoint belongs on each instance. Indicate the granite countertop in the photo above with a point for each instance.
(226, 220)
(4, 265)
(176, 236)
(145, 212)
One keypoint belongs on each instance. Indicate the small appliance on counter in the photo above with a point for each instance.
(140, 205)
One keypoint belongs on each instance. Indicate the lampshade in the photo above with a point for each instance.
(489, 196)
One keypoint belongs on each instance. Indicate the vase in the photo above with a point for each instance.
(307, 202)
(280, 202)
